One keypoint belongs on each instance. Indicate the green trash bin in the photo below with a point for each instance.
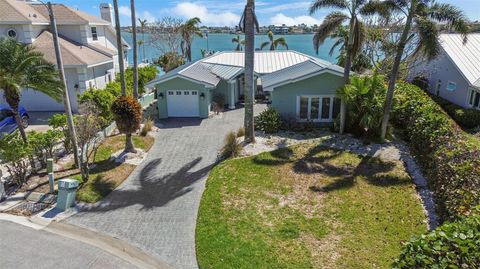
(67, 190)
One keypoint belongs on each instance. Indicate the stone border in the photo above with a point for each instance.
(389, 151)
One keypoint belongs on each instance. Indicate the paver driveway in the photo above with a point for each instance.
(156, 207)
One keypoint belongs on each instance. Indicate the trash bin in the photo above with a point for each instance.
(67, 190)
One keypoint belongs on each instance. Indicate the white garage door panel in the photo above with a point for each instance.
(182, 103)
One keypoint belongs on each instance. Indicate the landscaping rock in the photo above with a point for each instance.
(129, 157)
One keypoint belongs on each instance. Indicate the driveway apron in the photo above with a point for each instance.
(156, 208)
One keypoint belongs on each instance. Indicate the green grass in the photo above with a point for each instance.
(106, 175)
(306, 207)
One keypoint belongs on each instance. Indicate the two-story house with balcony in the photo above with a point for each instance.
(88, 46)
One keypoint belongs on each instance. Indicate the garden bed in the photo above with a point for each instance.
(105, 174)
(306, 206)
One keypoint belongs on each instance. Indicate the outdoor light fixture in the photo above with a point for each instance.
(202, 95)
(160, 95)
(76, 87)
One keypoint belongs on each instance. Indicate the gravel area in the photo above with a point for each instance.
(389, 151)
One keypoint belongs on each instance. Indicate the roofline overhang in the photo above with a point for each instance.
(153, 83)
(87, 65)
(289, 81)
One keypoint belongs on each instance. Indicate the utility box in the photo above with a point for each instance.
(67, 190)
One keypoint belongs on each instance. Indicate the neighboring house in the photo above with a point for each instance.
(299, 86)
(455, 74)
(88, 46)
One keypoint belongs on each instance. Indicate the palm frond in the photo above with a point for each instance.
(378, 7)
(320, 4)
(280, 41)
(339, 42)
(450, 14)
(428, 43)
(264, 44)
(358, 38)
(329, 24)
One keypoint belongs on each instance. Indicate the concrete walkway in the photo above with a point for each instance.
(156, 208)
(24, 247)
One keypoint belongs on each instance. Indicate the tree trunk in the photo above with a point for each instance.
(249, 62)
(66, 98)
(118, 32)
(129, 144)
(395, 69)
(346, 75)
(135, 50)
(143, 44)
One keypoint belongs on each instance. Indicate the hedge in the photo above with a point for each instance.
(468, 118)
(451, 161)
(452, 245)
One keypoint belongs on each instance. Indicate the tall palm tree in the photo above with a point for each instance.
(188, 31)
(135, 49)
(274, 43)
(341, 36)
(143, 25)
(240, 42)
(248, 23)
(360, 63)
(349, 12)
(118, 33)
(419, 27)
(21, 67)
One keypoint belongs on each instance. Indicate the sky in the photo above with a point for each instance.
(227, 12)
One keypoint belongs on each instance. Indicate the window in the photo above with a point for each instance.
(186, 93)
(170, 92)
(439, 85)
(474, 100)
(94, 33)
(178, 93)
(451, 86)
(317, 108)
(12, 33)
(194, 92)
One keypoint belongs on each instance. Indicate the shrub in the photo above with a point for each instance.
(219, 99)
(170, 61)
(452, 245)
(290, 123)
(43, 144)
(468, 118)
(231, 147)
(147, 127)
(268, 121)
(102, 99)
(451, 161)
(114, 88)
(14, 153)
(145, 74)
(127, 113)
(59, 122)
(241, 132)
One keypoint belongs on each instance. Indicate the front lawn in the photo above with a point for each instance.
(306, 207)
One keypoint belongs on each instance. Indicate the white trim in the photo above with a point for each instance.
(309, 107)
(289, 81)
(154, 83)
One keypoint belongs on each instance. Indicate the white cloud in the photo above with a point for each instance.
(189, 10)
(124, 11)
(145, 15)
(281, 18)
(291, 6)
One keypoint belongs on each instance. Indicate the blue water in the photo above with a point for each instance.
(223, 42)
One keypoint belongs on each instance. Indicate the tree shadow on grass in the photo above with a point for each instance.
(154, 190)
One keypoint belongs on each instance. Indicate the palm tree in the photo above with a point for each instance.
(143, 25)
(360, 63)
(341, 36)
(355, 38)
(248, 23)
(21, 67)
(187, 31)
(419, 27)
(135, 49)
(240, 42)
(274, 42)
(118, 32)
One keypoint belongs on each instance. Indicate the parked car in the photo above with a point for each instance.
(7, 120)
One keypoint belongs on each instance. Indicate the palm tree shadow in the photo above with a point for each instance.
(153, 190)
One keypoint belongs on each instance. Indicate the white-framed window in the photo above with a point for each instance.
(186, 93)
(170, 92)
(451, 86)
(178, 92)
(12, 33)
(194, 92)
(94, 33)
(474, 99)
(317, 108)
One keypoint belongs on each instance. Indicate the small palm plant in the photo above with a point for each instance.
(21, 67)
(274, 43)
(127, 112)
(240, 43)
(188, 31)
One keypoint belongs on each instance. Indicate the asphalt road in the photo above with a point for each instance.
(23, 247)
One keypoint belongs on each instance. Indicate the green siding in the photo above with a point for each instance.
(284, 98)
(182, 84)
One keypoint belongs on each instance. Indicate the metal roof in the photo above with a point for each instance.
(465, 56)
(265, 61)
(201, 73)
(225, 72)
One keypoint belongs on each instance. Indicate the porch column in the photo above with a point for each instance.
(231, 89)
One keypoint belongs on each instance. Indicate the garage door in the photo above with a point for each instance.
(182, 103)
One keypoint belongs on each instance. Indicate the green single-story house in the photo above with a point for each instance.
(298, 85)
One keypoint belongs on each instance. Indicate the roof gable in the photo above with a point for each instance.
(466, 56)
(68, 16)
(19, 12)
